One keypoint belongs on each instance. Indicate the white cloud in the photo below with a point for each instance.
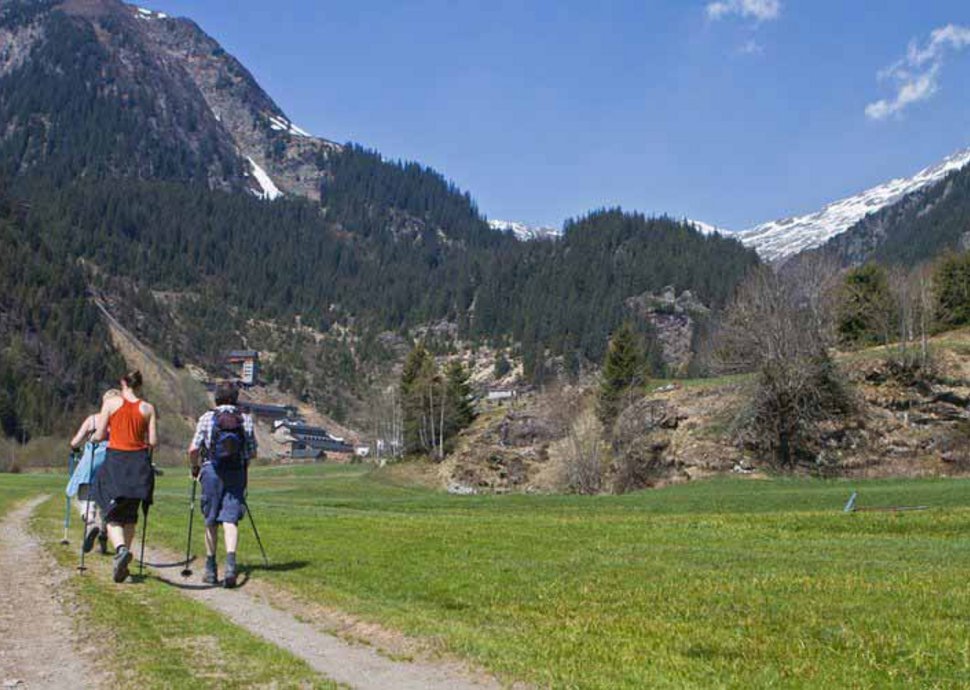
(760, 10)
(917, 76)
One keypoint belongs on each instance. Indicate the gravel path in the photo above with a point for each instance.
(357, 666)
(38, 641)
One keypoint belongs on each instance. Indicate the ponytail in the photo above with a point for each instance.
(132, 379)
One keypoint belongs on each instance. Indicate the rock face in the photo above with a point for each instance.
(293, 159)
(175, 87)
(675, 319)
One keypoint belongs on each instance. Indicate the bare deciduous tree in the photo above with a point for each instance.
(772, 327)
(584, 460)
(914, 302)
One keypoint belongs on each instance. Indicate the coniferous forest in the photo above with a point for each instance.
(126, 187)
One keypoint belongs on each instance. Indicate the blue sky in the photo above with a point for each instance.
(729, 111)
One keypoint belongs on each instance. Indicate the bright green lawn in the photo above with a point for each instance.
(725, 583)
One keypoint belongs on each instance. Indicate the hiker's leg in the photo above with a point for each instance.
(211, 539)
(129, 534)
(116, 533)
(231, 530)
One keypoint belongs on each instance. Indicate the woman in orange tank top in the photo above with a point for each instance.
(126, 479)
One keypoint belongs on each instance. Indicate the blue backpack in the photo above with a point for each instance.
(228, 441)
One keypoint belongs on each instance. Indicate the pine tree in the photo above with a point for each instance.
(865, 311)
(417, 378)
(623, 369)
(459, 412)
(952, 281)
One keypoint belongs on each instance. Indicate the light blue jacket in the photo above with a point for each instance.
(87, 468)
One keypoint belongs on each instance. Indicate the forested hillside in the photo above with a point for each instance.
(55, 352)
(132, 188)
(85, 100)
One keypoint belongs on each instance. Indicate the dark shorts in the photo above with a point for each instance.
(223, 495)
(124, 511)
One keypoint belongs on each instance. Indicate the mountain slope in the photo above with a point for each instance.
(780, 239)
(82, 95)
(295, 161)
(916, 228)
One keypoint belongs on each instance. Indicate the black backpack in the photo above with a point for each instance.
(228, 441)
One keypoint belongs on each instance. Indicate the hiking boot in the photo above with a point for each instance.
(90, 536)
(229, 581)
(103, 542)
(119, 569)
(211, 575)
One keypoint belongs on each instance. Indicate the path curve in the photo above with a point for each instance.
(38, 641)
(357, 666)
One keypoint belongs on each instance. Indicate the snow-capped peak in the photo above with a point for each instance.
(783, 238)
(524, 232)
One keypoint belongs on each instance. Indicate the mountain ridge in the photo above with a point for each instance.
(780, 239)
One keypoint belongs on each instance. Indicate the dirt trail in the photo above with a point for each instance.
(38, 641)
(354, 665)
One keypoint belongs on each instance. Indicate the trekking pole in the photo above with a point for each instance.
(259, 541)
(144, 529)
(87, 510)
(249, 512)
(144, 525)
(187, 571)
(67, 508)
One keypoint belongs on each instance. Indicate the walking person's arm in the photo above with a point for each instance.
(88, 427)
(152, 427)
(198, 440)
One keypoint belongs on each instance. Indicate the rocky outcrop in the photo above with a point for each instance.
(675, 319)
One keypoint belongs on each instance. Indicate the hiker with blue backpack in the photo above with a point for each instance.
(222, 448)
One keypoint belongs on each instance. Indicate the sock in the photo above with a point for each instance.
(230, 558)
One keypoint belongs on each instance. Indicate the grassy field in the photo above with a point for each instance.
(728, 583)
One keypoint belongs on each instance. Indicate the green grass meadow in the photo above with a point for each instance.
(726, 583)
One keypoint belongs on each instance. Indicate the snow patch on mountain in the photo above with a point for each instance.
(783, 238)
(143, 13)
(707, 228)
(281, 124)
(524, 232)
(270, 190)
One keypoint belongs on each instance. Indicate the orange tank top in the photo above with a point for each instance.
(129, 427)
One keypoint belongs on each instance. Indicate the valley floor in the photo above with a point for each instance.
(723, 583)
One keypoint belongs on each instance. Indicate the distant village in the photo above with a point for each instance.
(305, 442)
